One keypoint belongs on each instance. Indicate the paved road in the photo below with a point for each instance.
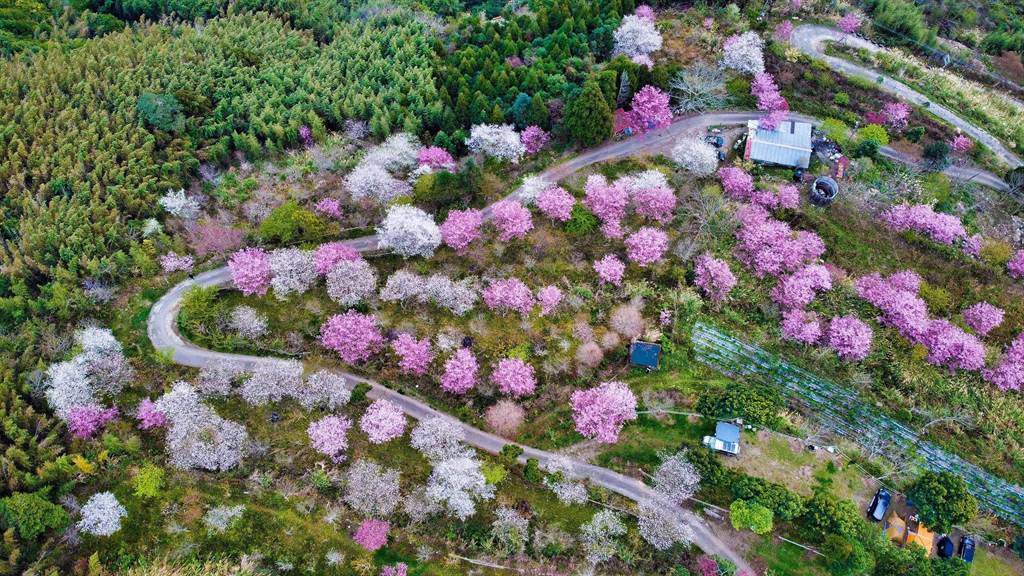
(163, 332)
(811, 38)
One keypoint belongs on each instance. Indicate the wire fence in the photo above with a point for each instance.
(844, 414)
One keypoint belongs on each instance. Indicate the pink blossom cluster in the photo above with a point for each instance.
(306, 135)
(461, 228)
(556, 203)
(354, 336)
(399, 569)
(850, 22)
(714, 277)
(983, 317)
(769, 101)
(972, 246)
(329, 207)
(250, 271)
(534, 138)
(435, 158)
(1009, 373)
(650, 109)
(509, 294)
(1015, 267)
(942, 228)
(646, 246)
(607, 202)
(961, 144)
(798, 289)
(896, 115)
(769, 246)
(706, 565)
(784, 31)
(896, 297)
(849, 337)
(414, 356)
(610, 270)
(460, 372)
(512, 219)
(382, 421)
(736, 183)
(951, 347)
(600, 412)
(149, 416)
(329, 436)
(872, 117)
(514, 377)
(549, 297)
(654, 202)
(644, 11)
(372, 534)
(787, 196)
(328, 255)
(172, 262)
(86, 421)
(800, 325)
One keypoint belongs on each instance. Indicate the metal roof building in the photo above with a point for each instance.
(726, 438)
(789, 145)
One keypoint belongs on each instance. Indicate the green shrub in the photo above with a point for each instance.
(914, 134)
(531, 472)
(149, 481)
(874, 133)
(751, 516)
(198, 307)
(756, 405)
(161, 111)
(826, 514)
(996, 253)
(582, 221)
(841, 99)
(939, 300)
(31, 514)
(739, 91)
(942, 500)
(290, 223)
(231, 191)
(836, 131)
(937, 153)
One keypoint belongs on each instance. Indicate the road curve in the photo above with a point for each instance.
(163, 332)
(810, 39)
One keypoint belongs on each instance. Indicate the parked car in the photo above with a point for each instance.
(721, 155)
(879, 505)
(716, 141)
(967, 549)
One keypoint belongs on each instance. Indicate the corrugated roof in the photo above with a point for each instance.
(727, 432)
(789, 145)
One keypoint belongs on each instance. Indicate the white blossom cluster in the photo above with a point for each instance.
(220, 518)
(351, 281)
(178, 204)
(695, 156)
(417, 506)
(323, 388)
(371, 489)
(676, 478)
(217, 380)
(151, 227)
(564, 481)
(247, 322)
(510, 530)
(101, 515)
(409, 231)
(100, 369)
(197, 438)
(636, 37)
(271, 382)
(662, 526)
(499, 141)
(457, 297)
(292, 271)
(744, 53)
(531, 187)
(457, 484)
(440, 438)
(379, 175)
(599, 534)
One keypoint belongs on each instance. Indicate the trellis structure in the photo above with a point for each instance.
(848, 416)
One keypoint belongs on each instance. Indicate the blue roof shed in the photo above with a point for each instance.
(645, 355)
(726, 438)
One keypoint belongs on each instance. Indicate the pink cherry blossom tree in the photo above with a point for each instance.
(509, 294)
(1008, 374)
(514, 377)
(1015, 267)
(656, 203)
(353, 335)
(329, 436)
(896, 115)
(798, 289)
(607, 202)
(650, 109)
(646, 246)
(512, 219)
(250, 271)
(460, 372)
(549, 297)
(770, 247)
(329, 254)
(943, 228)
(850, 22)
(714, 278)
(461, 228)
(149, 416)
(769, 100)
(961, 144)
(850, 337)
(784, 31)
(534, 138)
(983, 317)
(736, 183)
(372, 534)
(86, 421)
(383, 421)
(610, 270)
(330, 207)
(504, 418)
(600, 412)
(414, 355)
(172, 262)
(801, 326)
(556, 203)
(435, 158)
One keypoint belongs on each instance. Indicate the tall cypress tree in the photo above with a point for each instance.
(588, 117)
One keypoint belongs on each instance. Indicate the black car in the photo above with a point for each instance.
(879, 505)
(967, 549)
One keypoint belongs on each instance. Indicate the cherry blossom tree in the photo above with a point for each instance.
(399, 153)
(323, 388)
(589, 355)
(646, 246)
(627, 320)
(247, 322)
(598, 536)
(409, 231)
(374, 182)
(556, 203)
(693, 154)
(769, 246)
(650, 109)
(197, 438)
(983, 317)
(436, 158)
(457, 484)
(293, 271)
(744, 52)
(101, 515)
(329, 207)
(801, 326)
(460, 372)
(961, 144)
(440, 438)
(784, 31)
(1015, 267)
(514, 377)
(534, 138)
(86, 421)
(769, 101)
(607, 202)
(798, 289)
(504, 418)
(212, 238)
(329, 254)
(354, 336)
(736, 183)
(372, 534)
(414, 355)
(610, 270)
(896, 115)
(714, 278)
(850, 22)
(382, 421)
(656, 203)
(942, 228)
(178, 204)
(509, 294)
(457, 297)
(461, 228)
(850, 337)
(600, 412)
(172, 262)
(951, 347)
(371, 489)
(250, 271)
(1008, 374)
(510, 529)
(271, 382)
(512, 219)
(499, 141)
(351, 281)
(676, 479)
(549, 297)
(662, 526)
(149, 416)
(329, 436)
(636, 36)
